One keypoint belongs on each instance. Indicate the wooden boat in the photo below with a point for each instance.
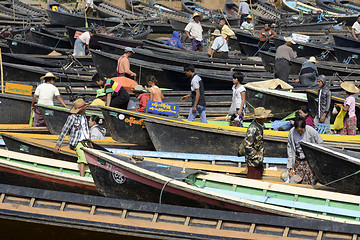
(17, 106)
(97, 217)
(308, 27)
(26, 47)
(23, 128)
(105, 9)
(165, 8)
(349, 4)
(114, 175)
(230, 8)
(334, 167)
(180, 24)
(249, 49)
(347, 55)
(38, 172)
(333, 6)
(49, 40)
(266, 12)
(191, 7)
(342, 41)
(305, 7)
(30, 61)
(23, 8)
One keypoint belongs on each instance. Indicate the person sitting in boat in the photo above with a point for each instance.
(97, 131)
(308, 73)
(237, 108)
(193, 30)
(219, 48)
(297, 164)
(355, 29)
(284, 54)
(123, 65)
(100, 98)
(78, 129)
(174, 41)
(226, 31)
(304, 112)
(46, 92)
(155, 92)
(142, 95)
(350, 121)
(116, 95)
(244, 10)
(265, 35)
(323, 113)
(81, 42)
(247, 26)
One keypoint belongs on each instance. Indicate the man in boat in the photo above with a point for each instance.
(226, 31)
(284, 54)
(82, 41)
(247, 26)
(308, 73)
(265, 35)
(46, 92)
(253, 144)
(219, 48)
(89, 8)
(244, 10)
(197, 95)
(123, 66)
(324, 103)
(355, 29)
(194, 31)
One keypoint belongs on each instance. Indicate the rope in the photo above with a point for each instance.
(162, 190)
(261, 48)
(342, 178)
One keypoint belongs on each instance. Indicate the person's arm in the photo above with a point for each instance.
(67, 126)
(240, 9)
(327, 108)
(108, 99)
(212, 53)
(353, 33)
(33, 102)
(188, 35)
(290, 151)
(151, 95)
(292, 54)
(184, 98)
(262, 37)
(61, 100)
(197, 98)
(243, 95)
(273, 34)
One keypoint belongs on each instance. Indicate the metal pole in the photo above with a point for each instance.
(252, 17)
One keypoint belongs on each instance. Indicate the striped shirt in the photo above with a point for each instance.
(113, 87)
(78, 127)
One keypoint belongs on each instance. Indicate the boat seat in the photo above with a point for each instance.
(321, 128)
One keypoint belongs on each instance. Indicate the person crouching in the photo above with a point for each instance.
(143, 97)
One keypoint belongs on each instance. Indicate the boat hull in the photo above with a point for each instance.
(342, 41)
(15, 109)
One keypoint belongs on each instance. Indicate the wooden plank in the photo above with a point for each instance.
(32, 201)
(155, 217)
(187, 221)
(320, 235)
(92, 211)
(219, 224)
(2, 197)
(286, 232)
(252, 228)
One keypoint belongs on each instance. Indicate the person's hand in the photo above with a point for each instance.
(290, 172)
(56, 149)
(194, 109)
(32, 109)
(133, 75)
(191, 37)
(322, 119)
(338, 105)
(184, 98)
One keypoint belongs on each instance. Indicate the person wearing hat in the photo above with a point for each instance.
(247, 26)
(308, 73)
(297, 164)
(350, 121)
(265, 35)
(123, 65)
(100, 98)
(45, 92)
(284, 54)
(324, 102)
(77, 127)
(226, 31)
(254, 143)
(219, 48)
(82, 41)
(244, 10)
(143, 97)
(193, 31)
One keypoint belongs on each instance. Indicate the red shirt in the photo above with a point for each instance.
(143, 101)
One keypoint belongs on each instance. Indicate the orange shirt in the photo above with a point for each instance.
(156, 94)
(124, 66)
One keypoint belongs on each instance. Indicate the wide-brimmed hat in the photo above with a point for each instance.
(100, 93)
(216, 32)
(79, 104)
(312, 59)
(48, 75)
(349, 87)
(138, 88)
(196, 14)
(289, 39)
(129, 49)
(249, 16)
(261, 112)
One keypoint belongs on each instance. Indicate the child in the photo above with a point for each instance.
(237, 108)
(142, 95)
(100, 98)
(77, 127)
(155, 92)
(96, 129)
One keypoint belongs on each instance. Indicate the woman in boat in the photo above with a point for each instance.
(155, 92)
(237, 108)
(82, 41)
(297, 164)
(349, 106)
(97, 131)
(305, 113)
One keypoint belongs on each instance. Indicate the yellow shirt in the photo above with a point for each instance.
(98, 102)
(227, 32)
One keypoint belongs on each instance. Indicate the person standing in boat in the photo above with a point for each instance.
(219, 48)
(324, 102)
(247, 26)
(350, 121)
(244, 10)
(226, 31)
(82, 41)
(194, 31)
(284, 54)
(237, 108)
(355, 29)
(155, 92)
(89, 8)
(197, 95)
(253, 143)
(308, 73)
(123, 65)
(46, 92)
(265, 35)
(297, 164)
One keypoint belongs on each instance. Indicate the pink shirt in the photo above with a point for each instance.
(309, 121)
(350, 101)
(85, 38)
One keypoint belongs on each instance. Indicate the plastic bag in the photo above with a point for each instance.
(339, 120)
(279, 125)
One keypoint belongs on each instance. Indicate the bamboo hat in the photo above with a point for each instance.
(289, 39)
(79, 104)
(196, 14)
(138, 88)
(248, 16)
(349, 87)
(48, 75)
(312, 59)
(261, 112)
(216, 33)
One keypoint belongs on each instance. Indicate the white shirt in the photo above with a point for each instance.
(244, 8)
(91, 2)
(220, 45)
(236, 98)
(247, 27)
(195, 82)
(46, 93)
(356, 26)
(194, 30)
(84, 132)
(85, 38)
